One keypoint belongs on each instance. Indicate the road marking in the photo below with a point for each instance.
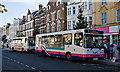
(33, 68)
(26, 65)
(91, 64)
(14, 60)
(18, 62)
(101, 67)
(21, 63)
(83, 64)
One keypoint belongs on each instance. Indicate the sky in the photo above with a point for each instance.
(18, 9)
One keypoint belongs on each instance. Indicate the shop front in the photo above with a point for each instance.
(111, 34)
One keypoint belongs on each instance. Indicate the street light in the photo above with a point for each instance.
(2, 8)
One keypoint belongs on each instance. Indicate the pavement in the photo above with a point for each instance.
(109, 62)
(25, 61)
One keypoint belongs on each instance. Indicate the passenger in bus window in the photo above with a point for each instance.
(90, 43)
(96, 44)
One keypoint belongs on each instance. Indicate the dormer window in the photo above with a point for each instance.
(28, 17)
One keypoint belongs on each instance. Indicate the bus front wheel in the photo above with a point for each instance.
(68, 56)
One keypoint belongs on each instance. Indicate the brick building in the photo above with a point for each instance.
(55, 16)
(28, 27)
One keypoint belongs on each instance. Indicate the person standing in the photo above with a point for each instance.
(111, 51)
(116, 52)
(105, 49)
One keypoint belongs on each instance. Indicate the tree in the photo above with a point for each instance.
(2, 8)
(4, 40)
(36, 31)
(82, 23)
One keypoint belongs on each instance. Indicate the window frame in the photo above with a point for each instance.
(117, 15)
(64, 39)
(79, 38)
(74, 10)
(104, 2)
(103, 18)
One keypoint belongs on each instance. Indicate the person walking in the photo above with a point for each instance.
(105, 49)
(111, 51)
(116, 52)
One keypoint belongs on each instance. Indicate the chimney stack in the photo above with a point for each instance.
(24, 17)
(40, 6)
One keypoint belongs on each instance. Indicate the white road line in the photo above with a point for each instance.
(91, 64)
(26, 65)
(83, 64)
(18, 62)
(33, 68)
(14, 60)
(21, 63)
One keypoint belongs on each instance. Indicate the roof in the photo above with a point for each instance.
(34, 13)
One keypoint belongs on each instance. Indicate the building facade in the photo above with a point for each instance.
(28, 27)
(22, 33)
(73, 11)
(8, 30)
(16, 26)
(1, 32)
(11, 31)
(55, 16)
(106, 17)
(40, 19)
(4, 29)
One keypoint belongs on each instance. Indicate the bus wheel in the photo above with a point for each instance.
(68, 56)
(43, 53)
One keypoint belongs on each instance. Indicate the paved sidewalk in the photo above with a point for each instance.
(109, 62)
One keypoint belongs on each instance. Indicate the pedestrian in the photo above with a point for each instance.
(105, 49)
(116, 52)
(111, 51)
(119, 43)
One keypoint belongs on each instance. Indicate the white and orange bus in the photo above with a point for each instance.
(82, 44)
(23, 44)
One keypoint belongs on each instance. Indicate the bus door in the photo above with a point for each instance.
(67, 40)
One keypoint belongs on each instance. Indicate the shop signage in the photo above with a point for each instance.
(114, 29)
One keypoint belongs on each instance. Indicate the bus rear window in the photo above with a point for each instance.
(67, 39)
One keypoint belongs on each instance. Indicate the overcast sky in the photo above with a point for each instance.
(18, 8)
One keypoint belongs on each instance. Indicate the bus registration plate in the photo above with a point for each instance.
(95, 58)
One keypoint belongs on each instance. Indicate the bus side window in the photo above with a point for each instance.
(78, 39)
(67, 39)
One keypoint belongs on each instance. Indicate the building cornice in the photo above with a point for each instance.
(110, 24)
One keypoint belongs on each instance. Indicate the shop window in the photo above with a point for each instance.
(67, 39)
(115, 39)
(106, 38)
